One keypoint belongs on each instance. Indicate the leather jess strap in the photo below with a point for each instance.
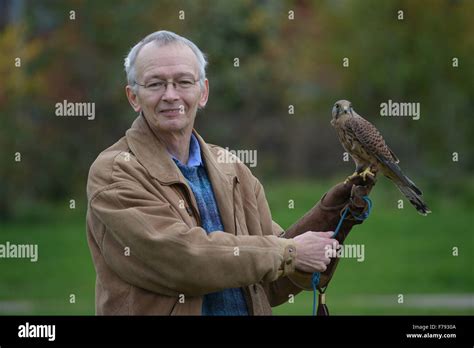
(316, 277)
(326, 215)
(357, 205)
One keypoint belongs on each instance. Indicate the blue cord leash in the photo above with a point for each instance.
(317, 275)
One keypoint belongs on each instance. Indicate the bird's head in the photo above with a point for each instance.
(342, 107)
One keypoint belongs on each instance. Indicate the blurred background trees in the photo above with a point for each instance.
(282, 62)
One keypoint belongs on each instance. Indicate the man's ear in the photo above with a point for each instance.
(204, 94)
(132, 99)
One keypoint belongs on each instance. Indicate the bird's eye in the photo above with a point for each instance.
(336, 106)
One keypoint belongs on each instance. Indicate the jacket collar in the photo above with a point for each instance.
(151, 152)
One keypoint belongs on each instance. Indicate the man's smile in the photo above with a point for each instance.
(171, 112)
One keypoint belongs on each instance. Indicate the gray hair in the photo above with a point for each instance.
(162, 38)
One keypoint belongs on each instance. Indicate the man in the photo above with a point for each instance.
(173, 231)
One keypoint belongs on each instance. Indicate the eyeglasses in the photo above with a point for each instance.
(159, 86)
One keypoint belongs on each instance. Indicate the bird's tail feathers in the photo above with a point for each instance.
(408, 188)
(402, 177)
(414, 198)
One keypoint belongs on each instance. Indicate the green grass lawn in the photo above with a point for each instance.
(405, 253)
(64, 267)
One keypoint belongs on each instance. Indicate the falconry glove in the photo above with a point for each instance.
(325, 216)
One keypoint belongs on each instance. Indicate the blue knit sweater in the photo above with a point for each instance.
(228, 301)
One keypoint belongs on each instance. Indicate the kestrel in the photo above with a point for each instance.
(367, 147)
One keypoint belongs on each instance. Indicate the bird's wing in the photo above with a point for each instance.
(371, 139)
(394, 157)
(374, 144)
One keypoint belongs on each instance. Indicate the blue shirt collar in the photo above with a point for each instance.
(194, 159)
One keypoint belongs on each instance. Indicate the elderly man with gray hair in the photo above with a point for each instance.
(171, 229)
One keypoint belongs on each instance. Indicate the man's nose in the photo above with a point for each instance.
(170, 92)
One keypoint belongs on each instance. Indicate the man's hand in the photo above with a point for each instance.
(312, 251)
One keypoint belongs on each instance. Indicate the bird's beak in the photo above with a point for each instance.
(346, 110)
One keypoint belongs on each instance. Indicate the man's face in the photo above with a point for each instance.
(172, 110)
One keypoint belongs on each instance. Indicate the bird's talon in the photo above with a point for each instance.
(365, 173)
(350, 177)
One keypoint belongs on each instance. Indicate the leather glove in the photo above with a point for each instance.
(325, 216)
